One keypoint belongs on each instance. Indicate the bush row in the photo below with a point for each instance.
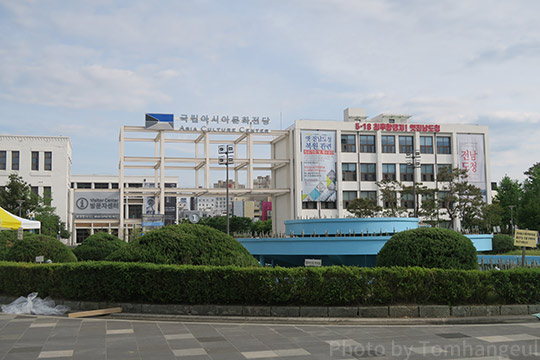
(327, 286)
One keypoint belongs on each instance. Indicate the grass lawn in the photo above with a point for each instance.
(532, 252)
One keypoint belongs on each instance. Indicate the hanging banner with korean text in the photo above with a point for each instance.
(471, 157)
(318, 166)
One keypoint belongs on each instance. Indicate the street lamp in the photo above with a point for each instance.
(20, 202)
(512, 216)
(225, 157)
(413, 159)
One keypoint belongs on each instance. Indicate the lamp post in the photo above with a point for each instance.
(225, 157)
(413, 159)
(20, 202)
(512, 217)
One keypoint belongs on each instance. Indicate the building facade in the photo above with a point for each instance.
(336, 162)
(44, 162)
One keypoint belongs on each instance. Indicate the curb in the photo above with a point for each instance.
(326, 320)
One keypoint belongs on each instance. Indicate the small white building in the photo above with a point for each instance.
(44, 162)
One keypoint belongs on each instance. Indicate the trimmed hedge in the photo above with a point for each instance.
(325, 286)
(98, 246)
(188, 244)
(502, 243)
(39, 245)
(430, 248)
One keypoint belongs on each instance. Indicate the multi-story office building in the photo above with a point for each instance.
(44, 162)
(335, 162)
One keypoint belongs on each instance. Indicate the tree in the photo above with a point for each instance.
(17, 189)
(459, 198)
(364, 208)
(529, 210)
(492, 215)
(509, 195)
(429, 208)
(388, 191)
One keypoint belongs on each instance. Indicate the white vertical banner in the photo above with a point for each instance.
(472, 158)
(149, 202)
(318, 166)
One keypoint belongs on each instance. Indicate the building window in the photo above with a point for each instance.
(392, 202)
(82, 234)
(84, 185)
(34, 190)
(328, 205)
(444, 168)
(426, 144)
(348, 196)
(348, 143)
(48, 160)
(309, 204)
(134, 211)
(114, 186)
(388, 144)
(405, 144)
(442, 196)
(35, 160)
(101, 185)
(443, 145)
(407, 200)
(406, 172)
(348, 171)
(367, 143)
(427, 172)
(368, 172)
(389, 171)
(15, 160)
(47, 195)
(135, 185)
(369, 195)
(3, 160)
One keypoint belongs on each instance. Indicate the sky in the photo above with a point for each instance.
(85, 68)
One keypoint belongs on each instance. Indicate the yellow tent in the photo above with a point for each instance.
(13, 222)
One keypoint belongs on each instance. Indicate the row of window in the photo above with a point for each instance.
(368, 172)
(388, 144)
(97, 185)
(15, 160)
(406, 200)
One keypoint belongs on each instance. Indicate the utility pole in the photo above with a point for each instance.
(413, 159)
(226, 157)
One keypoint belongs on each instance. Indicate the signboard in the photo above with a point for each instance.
(526, 238)
(470, 149)
(398, 127)
(152, 221)
(97, 205)
(312, 262)
(159, 121)
(318, 166)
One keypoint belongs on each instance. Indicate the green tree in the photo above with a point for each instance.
(461, 199)
(429, 208)
(388, 190)
(529, 210)
(509, 194)
(363, 208)
(17, 189)
(492, 215)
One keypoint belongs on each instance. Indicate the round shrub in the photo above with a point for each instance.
(98, 246)
(40, 245)
(186, 244)
(429, 248)
(502, 243)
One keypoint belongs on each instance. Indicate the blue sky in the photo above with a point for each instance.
(85, 68)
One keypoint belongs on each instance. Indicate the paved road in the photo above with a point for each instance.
(40, 337)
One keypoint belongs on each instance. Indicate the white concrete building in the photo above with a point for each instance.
(95, 204)
(343, 160)
(44, 162)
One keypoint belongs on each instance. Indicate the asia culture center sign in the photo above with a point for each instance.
(204, 122)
